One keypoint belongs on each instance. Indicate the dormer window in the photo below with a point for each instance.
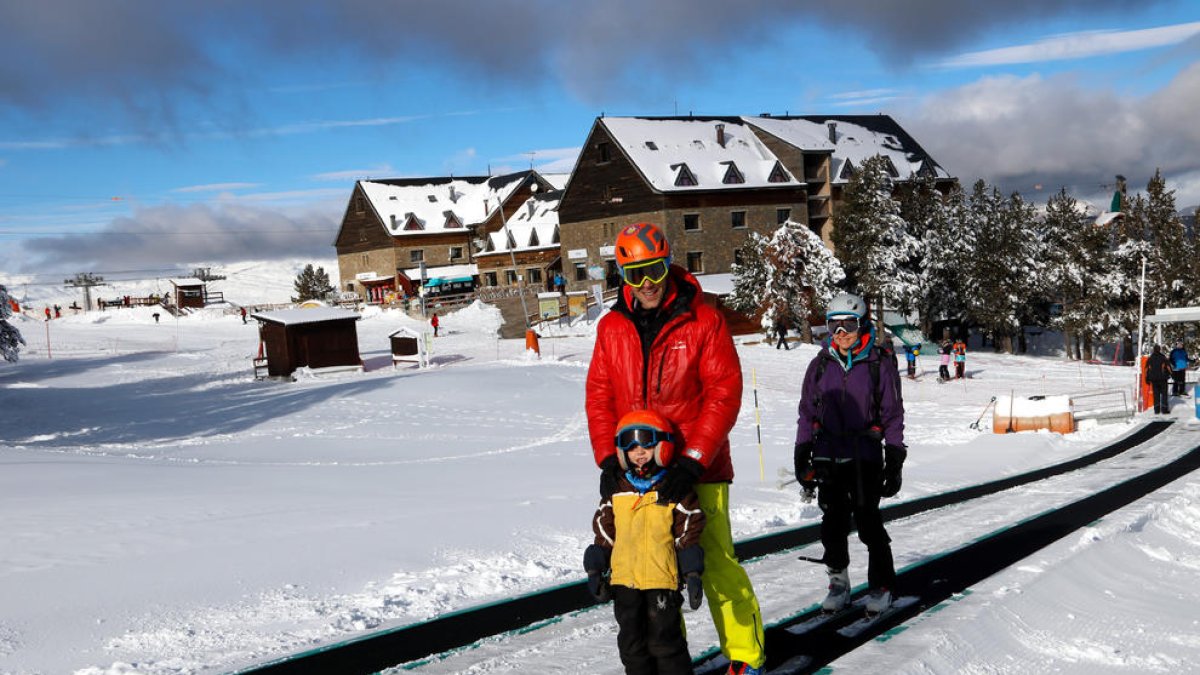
(432, 199)
(732, 175)
(891, 168)
(411, 222)
(512, 243)
(847, 170)
(778, 175)
(452, 221)
(652, 145)
(554, 239)
(533, 239)
(684, 176)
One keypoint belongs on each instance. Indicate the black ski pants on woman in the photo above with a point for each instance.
(851, 489)
(650, 631)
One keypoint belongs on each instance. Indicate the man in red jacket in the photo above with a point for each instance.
(663, 349)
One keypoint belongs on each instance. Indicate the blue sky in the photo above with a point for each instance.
(139, 135)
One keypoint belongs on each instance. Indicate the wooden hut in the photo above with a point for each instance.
(188, 292)
(321, 337)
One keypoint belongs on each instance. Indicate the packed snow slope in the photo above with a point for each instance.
(165, 513)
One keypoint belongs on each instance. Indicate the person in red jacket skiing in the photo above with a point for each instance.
(434, 322)
(663, 349)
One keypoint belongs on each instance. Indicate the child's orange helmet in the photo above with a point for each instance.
(640, 243)
(649, 430)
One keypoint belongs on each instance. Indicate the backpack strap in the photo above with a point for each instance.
(881, 352)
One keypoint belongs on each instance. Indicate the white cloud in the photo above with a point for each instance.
(1077, 46)
(384, 170)
(217, 187)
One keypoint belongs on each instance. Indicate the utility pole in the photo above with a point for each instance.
(85, 280)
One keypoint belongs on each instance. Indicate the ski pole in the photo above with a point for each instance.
(975, 424)
(811, 560)
(757, 426)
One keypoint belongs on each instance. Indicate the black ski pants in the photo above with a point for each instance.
(851, 489)
(1179, 387)
(782, 341)
(1162, 402)
(650, 631)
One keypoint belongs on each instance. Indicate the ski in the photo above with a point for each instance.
(856, 628)
(824, 618)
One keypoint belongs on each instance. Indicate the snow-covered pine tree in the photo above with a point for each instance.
(873, 242)
(1002, 261)
(10, 337)
(937, 221)
(749, 275)
(1077, 260)
(802, 277)
(1170, 281)
(311, 284)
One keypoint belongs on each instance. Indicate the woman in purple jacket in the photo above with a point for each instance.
(850, 447)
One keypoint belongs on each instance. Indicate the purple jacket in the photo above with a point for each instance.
(840, 423)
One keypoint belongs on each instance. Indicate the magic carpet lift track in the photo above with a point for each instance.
(380, 650)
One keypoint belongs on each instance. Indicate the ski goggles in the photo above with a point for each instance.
(844, 324)
(643, 436)
(637, 274)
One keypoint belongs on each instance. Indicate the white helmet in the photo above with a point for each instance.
(846, 304)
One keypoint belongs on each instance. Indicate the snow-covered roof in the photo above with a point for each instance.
(691, 154)
(293, 317)
(799, 132)
(424, 205)
(557, 180)
(533, 227)
(180, 283)
(859, 137)
(1107, 217)
(443, 272)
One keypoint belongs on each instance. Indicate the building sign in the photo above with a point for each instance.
(364, 276)
(577, 254)
(609, 251)
(548, 305)
(595, 273)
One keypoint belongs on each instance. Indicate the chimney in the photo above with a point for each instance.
(832, 131)
(393, 221)
(721, 135)
(453, 196)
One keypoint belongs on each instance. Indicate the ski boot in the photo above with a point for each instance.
(739, 668)
(878, 600)
(839, 590)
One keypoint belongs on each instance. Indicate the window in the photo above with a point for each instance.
(489, 278)
(605, 154)
(652, 145)
(695, 262)
(782, 216)
(684, 176)
(581, 271)
(416, 255)
(349, 285)
(691, 222)
(737, 256)
(534, 275)
(456, 252)
(732, 175)
(366, 260)
(358, 205)
(510, 277)
(778, 175)
(737, 219)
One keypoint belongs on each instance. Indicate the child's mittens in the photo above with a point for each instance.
(596, 563)
(691, 567)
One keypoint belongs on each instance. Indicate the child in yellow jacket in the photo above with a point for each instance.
(646, 551)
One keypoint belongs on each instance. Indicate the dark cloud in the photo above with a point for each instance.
(148, 56)
(1054, 132)
(168, 235)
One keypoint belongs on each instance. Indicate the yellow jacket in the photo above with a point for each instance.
(644, 536)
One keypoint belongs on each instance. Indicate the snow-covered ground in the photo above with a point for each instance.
(164, 513)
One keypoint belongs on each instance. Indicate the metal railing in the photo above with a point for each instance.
(1102, 404)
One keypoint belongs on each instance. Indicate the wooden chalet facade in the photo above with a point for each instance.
(391, 226)
(531, 239)
(711, 181)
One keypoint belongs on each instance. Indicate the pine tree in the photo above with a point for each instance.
(937, 221)
(749, 275)
(10, 337)
(873, 242)
(802, 277)
(311, 284)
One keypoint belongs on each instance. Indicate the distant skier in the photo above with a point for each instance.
(850, 448)
(781, 330)
(1179, 364)
(960, 358)
(47, 312)
(651, 548)
(1158, 371)
(944, 368)
(57, 312)
(243, 313)
(911, 352)
(434, 322)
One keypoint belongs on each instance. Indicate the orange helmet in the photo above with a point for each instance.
(642, 242)
(647, 429)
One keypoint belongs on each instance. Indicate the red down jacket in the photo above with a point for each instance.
(690, 374)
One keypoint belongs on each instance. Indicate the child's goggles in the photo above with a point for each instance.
(655, 270)
(845, 324)
(643, 436)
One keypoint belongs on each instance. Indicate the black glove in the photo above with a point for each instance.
(893, 462)
(680, 480)
(691, 566)
(804, 467)
(595, 563)
(610, 475)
